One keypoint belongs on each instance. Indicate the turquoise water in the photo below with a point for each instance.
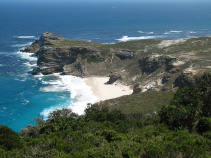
(23, 96)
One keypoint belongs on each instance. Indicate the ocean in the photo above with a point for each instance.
(23, 96)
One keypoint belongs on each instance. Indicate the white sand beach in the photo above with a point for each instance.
(104, 91)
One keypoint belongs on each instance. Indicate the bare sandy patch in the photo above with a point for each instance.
(166, 43)
(104, 91)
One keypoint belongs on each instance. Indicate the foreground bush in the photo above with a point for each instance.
(188, 106)
(9, 139)
(204, 125)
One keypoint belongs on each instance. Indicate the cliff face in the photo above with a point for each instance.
(154, 64)
(62, 58)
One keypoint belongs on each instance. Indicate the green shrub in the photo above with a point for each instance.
(207, 135)
(152, 150)
(184, 110)
(204, 86)
(33, 131)
(100, 113)
(61, 114)
(109, 135)
(204, 125)
(9, 139)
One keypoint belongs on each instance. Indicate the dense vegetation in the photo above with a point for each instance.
(182, 129)
(140, 106)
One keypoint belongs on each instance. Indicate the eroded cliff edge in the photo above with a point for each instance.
(160, 65)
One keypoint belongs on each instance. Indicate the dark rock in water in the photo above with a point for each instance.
(136, 88)
(36, 70)
(113, 78)
(124, 54)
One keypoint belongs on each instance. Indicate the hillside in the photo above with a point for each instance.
(158, 65)
(140, 106)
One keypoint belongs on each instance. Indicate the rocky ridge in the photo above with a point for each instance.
(159, 65)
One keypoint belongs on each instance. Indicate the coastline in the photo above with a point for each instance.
(104, 91)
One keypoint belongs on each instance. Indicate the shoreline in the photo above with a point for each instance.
(104, 91)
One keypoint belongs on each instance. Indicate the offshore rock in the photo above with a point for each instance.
(36, 70)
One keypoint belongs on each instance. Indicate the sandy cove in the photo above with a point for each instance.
(104, 91)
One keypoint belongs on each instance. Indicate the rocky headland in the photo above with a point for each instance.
(146, 65)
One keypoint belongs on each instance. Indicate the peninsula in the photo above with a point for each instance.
(145, 65)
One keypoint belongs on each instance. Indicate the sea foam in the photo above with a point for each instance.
(176, 31)
(80, 94)
(28, 56)
(126, 38)
(22, 45)
(29, 37)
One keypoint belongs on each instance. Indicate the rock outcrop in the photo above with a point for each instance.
(53, 57)
(52, 60)
(113, 78)
(125, 54)
(137, 88)
(188, 79)
(33, 48)
(151, 64)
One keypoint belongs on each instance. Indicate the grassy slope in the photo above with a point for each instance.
(141, 105)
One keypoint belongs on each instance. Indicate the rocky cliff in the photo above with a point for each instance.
(160, 65)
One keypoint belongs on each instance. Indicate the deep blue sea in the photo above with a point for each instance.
(23, 96)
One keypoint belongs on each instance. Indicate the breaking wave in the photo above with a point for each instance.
(22, 45)
(176, 31)
(29, 37)
(126, 38)
(28, 56)
(80, 94)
